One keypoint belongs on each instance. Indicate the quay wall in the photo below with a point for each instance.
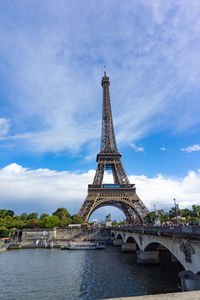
(60, 235)
(194, 295)
(30, 235)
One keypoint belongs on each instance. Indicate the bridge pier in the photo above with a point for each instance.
(117, 242)
(147, 257)
(129, 247)
(189, 281)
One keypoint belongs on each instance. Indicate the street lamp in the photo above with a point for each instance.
(175, 210)
(155, 210)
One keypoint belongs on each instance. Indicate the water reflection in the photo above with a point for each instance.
(94, 274)
(111, 273)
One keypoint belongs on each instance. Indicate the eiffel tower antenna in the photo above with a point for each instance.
(108, 143)
(121, 194)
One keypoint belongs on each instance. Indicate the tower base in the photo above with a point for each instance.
(121, 196)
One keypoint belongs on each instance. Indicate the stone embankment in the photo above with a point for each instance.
(195, 295)
(59, 237)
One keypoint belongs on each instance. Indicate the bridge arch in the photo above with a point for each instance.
(130, 239)
(123, 204)
(155, 244)
(119, 237)
(185, 251)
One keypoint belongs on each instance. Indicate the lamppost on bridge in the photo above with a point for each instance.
(157, 217)
(155, 210)
(175, 210)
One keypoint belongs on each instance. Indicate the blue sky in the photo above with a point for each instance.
(52, 55)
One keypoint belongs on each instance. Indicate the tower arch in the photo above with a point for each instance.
(128, 210)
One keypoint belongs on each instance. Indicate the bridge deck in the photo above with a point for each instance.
(192, 231)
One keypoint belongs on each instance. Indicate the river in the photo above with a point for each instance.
(80, 275)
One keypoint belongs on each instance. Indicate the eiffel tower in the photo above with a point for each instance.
(121, 194)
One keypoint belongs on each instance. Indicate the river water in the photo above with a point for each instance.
(81, 275)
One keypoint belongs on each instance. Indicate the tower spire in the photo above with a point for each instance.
(104, 71)
(108, 142)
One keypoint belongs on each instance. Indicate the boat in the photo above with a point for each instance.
(48, 244)
(3, 248)
(63, 247)
(101, 246)
(14, 245)
(82, 246)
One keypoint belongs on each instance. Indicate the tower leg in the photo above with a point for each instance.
(87, 207)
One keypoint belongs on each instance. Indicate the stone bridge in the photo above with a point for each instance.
(182, 243)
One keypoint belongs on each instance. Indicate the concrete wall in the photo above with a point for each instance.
(62, 235)
(29, 235)
(169, 296)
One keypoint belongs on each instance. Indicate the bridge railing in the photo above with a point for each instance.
(193, 230)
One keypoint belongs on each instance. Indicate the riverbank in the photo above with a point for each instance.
(195, 295)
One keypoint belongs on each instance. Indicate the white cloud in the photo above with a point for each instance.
(90, 157)
(54, 65)
(4, 126)
(163, 148)
(161, 190)
(136, 148)
(191, 148)
(23, 189)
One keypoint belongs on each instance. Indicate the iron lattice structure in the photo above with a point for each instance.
(121, 194)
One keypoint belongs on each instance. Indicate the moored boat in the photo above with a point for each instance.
(101, 246)
(14, 245)
(3, 248)
(82, 246)
(49, 245)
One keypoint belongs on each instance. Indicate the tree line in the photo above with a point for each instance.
(10, 222)
(185, 215)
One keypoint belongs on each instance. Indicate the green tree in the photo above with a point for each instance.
(10, 222)
(114, 223)
(24, 216)
(33, 216)
(14, 222)
(62, 212)
(42, 216)
(32, 223)
(4, 232)
(50, 221)
(76, 219)
(150, 217)
(185, 212)
(196, 210)
(163, 215)
(10, 213)
(3, 213)
(65, 221)
(173, 211)
(2, 222)
(12, 232)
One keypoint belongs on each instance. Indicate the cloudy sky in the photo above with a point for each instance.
(52, 55)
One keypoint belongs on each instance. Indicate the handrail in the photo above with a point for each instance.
(166, 230)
